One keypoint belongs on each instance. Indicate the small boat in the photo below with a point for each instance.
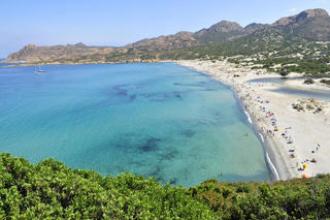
(38, 70)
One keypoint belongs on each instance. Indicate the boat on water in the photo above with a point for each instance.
(37, 69)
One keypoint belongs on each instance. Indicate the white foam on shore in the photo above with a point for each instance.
(272, 167)
(268, 160)
(262, 137)
(248, 116)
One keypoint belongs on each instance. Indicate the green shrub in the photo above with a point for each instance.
(50, 190)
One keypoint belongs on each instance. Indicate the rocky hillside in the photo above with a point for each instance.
(223, 38)
(222, 31)
(61, 53)
(170, 42)
(309, 24)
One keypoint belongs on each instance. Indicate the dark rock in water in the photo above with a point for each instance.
(162, 96)
(153, 97)
(119, 91)
(188, 133)
(177, 95)
(169, 155)
(137, 163)
(150, 145)
(132, 97)
(120, 94)
(197, 85)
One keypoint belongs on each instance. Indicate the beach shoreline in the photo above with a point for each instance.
(28, 64)
(284, 160)
(268, 149)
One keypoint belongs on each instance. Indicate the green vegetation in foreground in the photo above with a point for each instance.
(50, 190)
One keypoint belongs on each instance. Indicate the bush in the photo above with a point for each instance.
(284, 72)
(309, 81)
(50, 190)
(324, 81)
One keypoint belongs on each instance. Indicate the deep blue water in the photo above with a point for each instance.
(159, 120)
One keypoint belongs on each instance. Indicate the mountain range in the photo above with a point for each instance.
(285, 36)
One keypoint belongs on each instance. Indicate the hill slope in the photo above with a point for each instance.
(310, 24)
(223, 38)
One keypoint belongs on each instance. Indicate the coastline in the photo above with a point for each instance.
(277, 172)
(17, 64)
(281, 161)
(269, 155)
(285, 161)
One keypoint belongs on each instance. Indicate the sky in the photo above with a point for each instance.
(118, 22)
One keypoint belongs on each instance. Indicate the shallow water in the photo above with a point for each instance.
(159, 120)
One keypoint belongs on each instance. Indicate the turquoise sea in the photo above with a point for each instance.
(160, 120)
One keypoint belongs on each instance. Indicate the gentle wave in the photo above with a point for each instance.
(272, 167)
(262, 137)
(248, 116)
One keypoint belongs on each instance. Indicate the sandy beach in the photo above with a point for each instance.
(294, 129)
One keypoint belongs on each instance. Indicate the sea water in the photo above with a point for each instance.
(157, 120)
